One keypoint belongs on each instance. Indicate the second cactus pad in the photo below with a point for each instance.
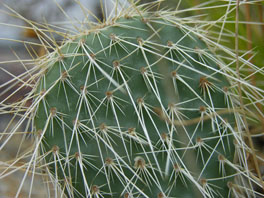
(136, 108)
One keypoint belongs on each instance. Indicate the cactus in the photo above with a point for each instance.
(142, 105)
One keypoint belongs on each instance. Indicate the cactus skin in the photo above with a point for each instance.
(136, 109)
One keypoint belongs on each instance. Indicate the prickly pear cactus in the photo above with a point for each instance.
(137, 108)
(144, 104)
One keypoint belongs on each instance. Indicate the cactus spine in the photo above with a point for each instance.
(140, 106)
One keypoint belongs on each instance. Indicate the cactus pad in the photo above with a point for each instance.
(139, 107)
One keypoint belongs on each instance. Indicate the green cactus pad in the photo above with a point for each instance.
(136, 108)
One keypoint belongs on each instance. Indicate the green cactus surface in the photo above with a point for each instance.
(138, 107)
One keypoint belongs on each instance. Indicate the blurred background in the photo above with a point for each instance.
(15, 36)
